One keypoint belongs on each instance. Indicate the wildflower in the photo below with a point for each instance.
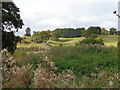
(110, 83)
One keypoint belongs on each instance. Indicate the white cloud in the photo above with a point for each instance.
(86, 19)
(51, 22)
(51, 14)
(108, 24)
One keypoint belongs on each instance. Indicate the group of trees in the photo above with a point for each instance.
(92, 32)
(69, 32)
(79, 32)
(113, 31)
(40, 37)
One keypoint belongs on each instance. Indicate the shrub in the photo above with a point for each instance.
(14, 76)
(93, 36)
(92, 41)
(45, 78)
(118, 44)
(21, 78)
(102, 80)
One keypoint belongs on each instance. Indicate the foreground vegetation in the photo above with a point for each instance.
(79, 66)
(85, 59)
(66, 63)
(45, 60)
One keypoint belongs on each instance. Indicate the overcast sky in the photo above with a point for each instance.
(50, 14)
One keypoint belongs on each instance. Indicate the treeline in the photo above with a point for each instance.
(69, 32)
(93, 31)
(82, 32)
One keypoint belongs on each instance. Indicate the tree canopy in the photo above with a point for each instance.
(40, 37)
(69, 32)
(27, 31)
(94, 30)
(113, 31)
(10, 19)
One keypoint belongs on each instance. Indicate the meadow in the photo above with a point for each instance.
(92, 65)
(109, 40)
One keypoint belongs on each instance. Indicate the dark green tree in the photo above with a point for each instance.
(113, 31)
(69, 32)
(10, 19)
(40, 37)
(28, 31)
(54, 36)
(94, 30)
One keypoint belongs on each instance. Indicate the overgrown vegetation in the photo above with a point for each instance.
(85, 59)
(81, 66)
(62, 58)
(91, 41)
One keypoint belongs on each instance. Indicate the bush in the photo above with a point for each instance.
(118, 44)
(14, 76)
(94, 36)
(92, 41)
(45, 78)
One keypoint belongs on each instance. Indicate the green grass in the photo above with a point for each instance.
(19, 45)
(110, 40)
(24, 56)
(84, 59)
(64, 41)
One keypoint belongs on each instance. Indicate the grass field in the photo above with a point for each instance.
(110, 40)
(66, 41)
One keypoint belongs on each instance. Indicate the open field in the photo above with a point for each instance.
(110, 40)
(66, 41)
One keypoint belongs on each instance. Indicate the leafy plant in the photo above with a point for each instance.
(92, 41)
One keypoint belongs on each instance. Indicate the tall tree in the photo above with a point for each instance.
(94, 30)
(10, 19)
(28, 31)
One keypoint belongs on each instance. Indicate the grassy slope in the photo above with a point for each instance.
(32, 44)
(108, 40)
(66, 41)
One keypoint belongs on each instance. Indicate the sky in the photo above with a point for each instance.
(42, 15)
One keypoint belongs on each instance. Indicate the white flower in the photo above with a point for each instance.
(110, 83)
